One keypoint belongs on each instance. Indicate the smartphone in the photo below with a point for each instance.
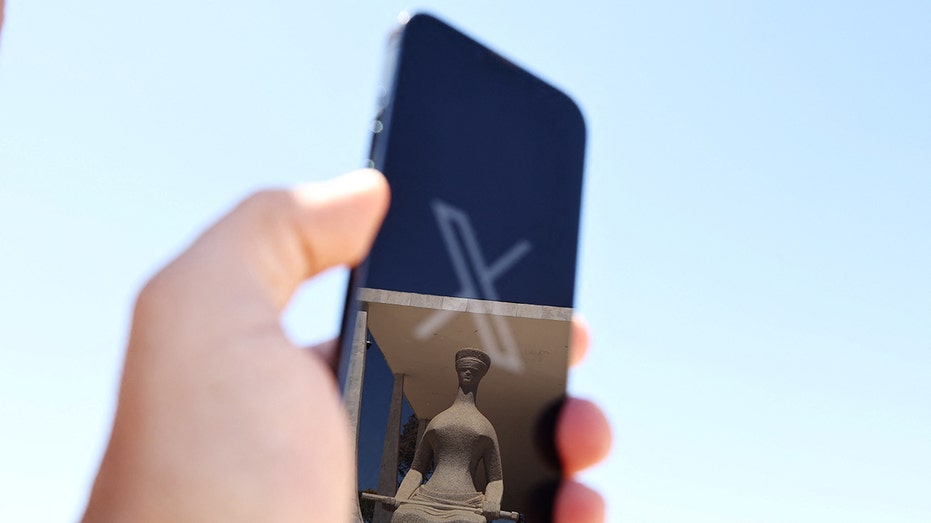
(455, 339)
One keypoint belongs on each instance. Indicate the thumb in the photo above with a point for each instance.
(258, 254)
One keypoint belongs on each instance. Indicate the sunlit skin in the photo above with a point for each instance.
(221, 417)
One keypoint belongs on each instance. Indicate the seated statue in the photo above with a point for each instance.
(455, 441)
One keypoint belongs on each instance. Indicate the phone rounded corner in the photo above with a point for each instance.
(578, 114)
(412, 18)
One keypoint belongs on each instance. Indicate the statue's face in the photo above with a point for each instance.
(470, 371)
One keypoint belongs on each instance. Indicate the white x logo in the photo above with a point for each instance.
(465, 254)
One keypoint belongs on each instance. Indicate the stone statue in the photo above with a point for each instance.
(455, 441)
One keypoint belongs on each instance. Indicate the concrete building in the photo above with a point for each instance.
(418, 336)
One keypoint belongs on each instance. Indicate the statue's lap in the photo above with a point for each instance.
(418, 514)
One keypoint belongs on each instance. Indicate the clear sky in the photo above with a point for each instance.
(755, 260)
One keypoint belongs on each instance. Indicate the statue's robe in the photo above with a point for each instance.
(457, 439)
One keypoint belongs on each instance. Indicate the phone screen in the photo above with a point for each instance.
(455, 341)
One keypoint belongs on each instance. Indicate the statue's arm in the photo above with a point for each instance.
(493, 493)
(412, 480)
(423, 457)
(494, 490)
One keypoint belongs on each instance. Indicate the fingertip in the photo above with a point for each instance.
(374, 174)
(341, 216)
(583, 435)
(377, 187)
(576, 503)
(368, 184)
(369, 178)
(579, 341)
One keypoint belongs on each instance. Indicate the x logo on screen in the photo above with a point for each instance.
(477, 278)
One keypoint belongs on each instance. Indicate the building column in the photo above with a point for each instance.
(352, 398)
(388, 476)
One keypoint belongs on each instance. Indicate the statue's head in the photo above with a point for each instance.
(471, 365)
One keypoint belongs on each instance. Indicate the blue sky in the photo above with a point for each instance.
(755, 245)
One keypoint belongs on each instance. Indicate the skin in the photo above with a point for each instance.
(221, 417)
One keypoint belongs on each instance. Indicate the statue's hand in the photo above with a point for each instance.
(491, 509)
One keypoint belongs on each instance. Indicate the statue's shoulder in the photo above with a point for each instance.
(441, 421)
(487, 428)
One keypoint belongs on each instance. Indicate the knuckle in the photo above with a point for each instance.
(264, 202)
(156, 293)
(264, 214)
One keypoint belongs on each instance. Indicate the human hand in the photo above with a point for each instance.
(583, 438)
(220, 416)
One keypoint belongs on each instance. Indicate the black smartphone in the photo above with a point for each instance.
(454, 344)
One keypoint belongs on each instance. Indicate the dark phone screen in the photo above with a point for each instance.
(478, 250)
(470, 132)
